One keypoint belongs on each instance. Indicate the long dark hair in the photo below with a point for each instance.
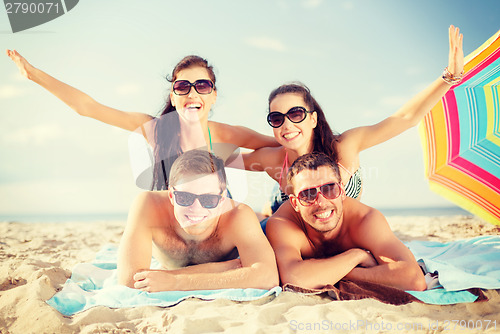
(167, 145)
(324, 140)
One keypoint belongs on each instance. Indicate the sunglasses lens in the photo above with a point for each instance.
(209, 201)
(275, 119)
(330, 190)
(182, 87)
(296, 114)
(183, 198)
(308, 196)
(203, 86)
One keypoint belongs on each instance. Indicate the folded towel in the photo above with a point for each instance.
(95, 284)
(462, 268)
(462, 264)
(355, 290)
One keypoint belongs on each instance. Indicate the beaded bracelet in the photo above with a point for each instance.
(450, 78)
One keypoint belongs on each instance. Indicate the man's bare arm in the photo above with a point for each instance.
(258, 266)
(397, 266)
(135, 249)
(211, 267)
(288, 240)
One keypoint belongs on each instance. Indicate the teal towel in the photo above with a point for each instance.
(95, 284)
(460, 265)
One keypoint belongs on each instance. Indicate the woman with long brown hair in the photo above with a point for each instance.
(181, 125)
(300, 126)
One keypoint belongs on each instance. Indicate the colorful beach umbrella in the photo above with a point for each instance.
(461, 137)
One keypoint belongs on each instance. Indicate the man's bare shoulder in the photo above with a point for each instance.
(236, 213)
(355, 213)
(363, 220)
(285, 213)
(285, 221)
(151, 206)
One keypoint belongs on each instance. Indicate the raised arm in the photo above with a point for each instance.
(396, 264)
(242, 136)
(257, 268)
(77, 100)
(414, 110)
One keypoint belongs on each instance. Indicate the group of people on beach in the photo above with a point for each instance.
(319, 232)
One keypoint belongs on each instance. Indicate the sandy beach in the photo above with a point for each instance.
(37, 258)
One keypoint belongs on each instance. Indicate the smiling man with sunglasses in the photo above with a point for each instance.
(202, 239)
(321, 236)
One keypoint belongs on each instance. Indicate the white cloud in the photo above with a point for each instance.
(348, 5)
(266, 43)
(394, 101)
(311, 3)
(38, 135)
(127, 89)
(7, 92)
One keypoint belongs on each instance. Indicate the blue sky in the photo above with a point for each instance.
(361, 59)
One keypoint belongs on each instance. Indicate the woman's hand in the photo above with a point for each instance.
(22, 64)
(456, 56)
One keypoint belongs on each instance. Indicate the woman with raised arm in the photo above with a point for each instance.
(182, 125)
(300, 126)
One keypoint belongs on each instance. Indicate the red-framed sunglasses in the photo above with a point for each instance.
(330, 190)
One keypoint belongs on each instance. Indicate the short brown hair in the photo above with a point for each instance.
(311, 161)
(197, 163)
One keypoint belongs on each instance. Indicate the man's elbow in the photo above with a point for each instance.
(126, 282)
(125, 279)
(271, 280)
(416, 280)
(267, 278)
(307, 282)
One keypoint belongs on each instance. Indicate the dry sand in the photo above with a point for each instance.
(37, 258)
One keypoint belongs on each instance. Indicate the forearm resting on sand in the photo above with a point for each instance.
(399, 274)
(316, 273)
(211, 267)
(257, 276)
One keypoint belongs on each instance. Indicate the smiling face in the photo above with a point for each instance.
(323, 215)
(294, 136)
(193, 106)
(195, 219)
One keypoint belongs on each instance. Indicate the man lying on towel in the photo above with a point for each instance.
(203, 239)
(321, 236)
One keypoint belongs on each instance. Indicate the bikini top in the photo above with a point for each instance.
(352, 187)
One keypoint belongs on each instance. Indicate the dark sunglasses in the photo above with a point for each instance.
(208, 201)
(183, 87)
(330, 191)
(295, 115)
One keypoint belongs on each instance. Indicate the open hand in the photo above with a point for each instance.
(456, 56)
(22, 64)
